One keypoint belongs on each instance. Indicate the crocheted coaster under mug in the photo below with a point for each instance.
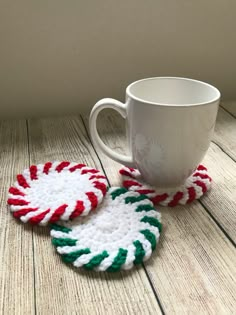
(56, 191)
(194, 187)
(123, 231)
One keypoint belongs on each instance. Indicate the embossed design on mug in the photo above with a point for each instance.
(148, 153)
(140, 141)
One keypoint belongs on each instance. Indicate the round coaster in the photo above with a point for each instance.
(194, 187)
(56, 191)
(122, 232)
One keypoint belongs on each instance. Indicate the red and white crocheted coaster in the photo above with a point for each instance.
(194, 187)
(56, 191)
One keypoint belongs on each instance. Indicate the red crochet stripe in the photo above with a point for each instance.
(17, 202)
(97, 176)
(22, 181)
(126, 173)
(93, 199)
(22, 212)
(101, 186)
(47, 167)
(145, 191)
(15, 191)
(79, 208)
(77, 167)
(33, 172)
(202, 185)
(203, 176)
(58, 212)
(129, 183)
(92, 171)
(201, 180)
(192, 194)
(38, 218)
(61, 166)
(159, 198)
(177, 197)
(201, 168)
(131, 169)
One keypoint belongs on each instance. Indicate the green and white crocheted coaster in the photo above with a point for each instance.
(123, 231)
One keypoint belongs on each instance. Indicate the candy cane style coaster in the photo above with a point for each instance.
(122, 232)
(194, 187)
(56, 191)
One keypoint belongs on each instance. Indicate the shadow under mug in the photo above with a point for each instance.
(170, 123)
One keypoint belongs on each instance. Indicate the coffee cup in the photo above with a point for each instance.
(170, 123)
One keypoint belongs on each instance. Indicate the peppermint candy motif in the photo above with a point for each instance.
(194, 187)
(122, 232)
(56, 191)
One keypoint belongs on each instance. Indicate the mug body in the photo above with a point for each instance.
(170, 123)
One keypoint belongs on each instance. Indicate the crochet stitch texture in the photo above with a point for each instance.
(56, 191)
(194, 187)
(121, 232)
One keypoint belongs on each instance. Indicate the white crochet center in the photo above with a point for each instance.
(112, 226)
(56, 189)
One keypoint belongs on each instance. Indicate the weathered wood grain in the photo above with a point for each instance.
(221, 199)
(16, 248)
(61, 289)
(225, 133)
(230, 107)
(193, 270)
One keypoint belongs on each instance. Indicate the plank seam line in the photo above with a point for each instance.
(227, 111)
(153, 289)
(32, 230)
(217, 223)
(87, 133)
(213, 141)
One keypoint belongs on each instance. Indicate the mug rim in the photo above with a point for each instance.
(131, 95)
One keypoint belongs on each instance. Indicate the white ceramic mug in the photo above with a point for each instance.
(170, 123)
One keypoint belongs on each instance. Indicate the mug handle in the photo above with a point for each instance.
(120, 108)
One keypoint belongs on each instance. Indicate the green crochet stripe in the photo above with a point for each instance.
(60, 228)
(63, 242)
(133, 199)
(118, 192)
(139, 252)
(152, 221)
(150, 237)
(144, 208)
(96, 260)
(71, 257)
(119, 260)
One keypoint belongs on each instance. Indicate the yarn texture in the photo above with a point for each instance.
(122, 232)
(56, 191)
(194, 187)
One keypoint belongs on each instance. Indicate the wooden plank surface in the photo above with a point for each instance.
(61, 289)
(225, 133)
(194, 268)
(230, 107)
(16, 248)
(221, 199)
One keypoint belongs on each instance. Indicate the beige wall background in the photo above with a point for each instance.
(60, 57)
